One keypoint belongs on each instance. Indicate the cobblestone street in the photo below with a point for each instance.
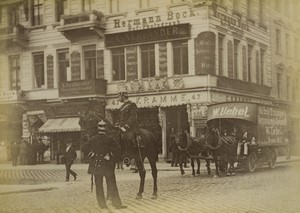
(41, 190)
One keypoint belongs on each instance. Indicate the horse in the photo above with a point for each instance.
(149, 150)
(223, 149)
(195, 148)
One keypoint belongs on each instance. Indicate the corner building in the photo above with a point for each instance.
(66, 58)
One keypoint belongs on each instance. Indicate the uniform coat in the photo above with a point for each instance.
(100, 146)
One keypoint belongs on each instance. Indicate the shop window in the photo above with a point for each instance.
(61, 8)
(220, 53)
(114, 6)
(13, 17)
(37, 12)
(88, 5)
(118, 64)
(89, 55)
(63, 60)
(236, 58)
(250, 49)
(279, 85)
(148, 60)
(14, 67)
(38, 67)
(180, 57)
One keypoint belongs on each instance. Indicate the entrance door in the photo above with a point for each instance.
(176, 118)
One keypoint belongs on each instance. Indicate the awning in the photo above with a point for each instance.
(60, 125)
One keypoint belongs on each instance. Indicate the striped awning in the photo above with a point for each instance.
(60, 125)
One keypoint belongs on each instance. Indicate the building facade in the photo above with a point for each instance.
(66, 58)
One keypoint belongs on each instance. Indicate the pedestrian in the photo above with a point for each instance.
(70, 156)
(174, 148)
(15, 151)
(41, 148)
(104, 152)
(23, 152)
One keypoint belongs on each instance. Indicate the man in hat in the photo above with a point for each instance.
(104, 152)
(128, 121)
(70, 156)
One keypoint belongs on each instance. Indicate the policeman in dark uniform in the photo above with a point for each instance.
(128, 121)
(104, 152)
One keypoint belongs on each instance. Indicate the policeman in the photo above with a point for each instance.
(128, 121)
(104, 152)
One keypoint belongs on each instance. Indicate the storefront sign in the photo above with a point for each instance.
(232, 23)
(75, 65)
(161, 100)
(10, 95)
(50, 71)
(205, 45)
(168, 19)
(180, 31)
(131, 62)
(82, 87)
(223, 97)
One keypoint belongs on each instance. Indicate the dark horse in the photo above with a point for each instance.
(195, 148)
(223, 149)
(149, 150)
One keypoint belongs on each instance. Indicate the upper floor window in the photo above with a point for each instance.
(278, 41)
(118, 64)
(63, 60)
(220, 53)
(279, 85)
(38, 67)
(148, 60)
(250, 49)
(14, 70)
(236, 45)
(61, 8)
(249, 9)
(13, 15)
(88, 5)
(262, 66)
(89, 55)
(37, 12)
(114, 6)
(262, 11)
(287, 44)
(180, 57)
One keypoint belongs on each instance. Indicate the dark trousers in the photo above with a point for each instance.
(111, 186)
(174, 161)
(41, 157)
(14, 160)
(68, 171)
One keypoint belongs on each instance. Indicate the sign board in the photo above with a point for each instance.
(10, 95)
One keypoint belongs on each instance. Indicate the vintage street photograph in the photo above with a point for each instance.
(149, 106)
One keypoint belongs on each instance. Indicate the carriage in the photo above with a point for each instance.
(267, 134)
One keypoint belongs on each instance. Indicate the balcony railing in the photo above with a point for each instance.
(82, 25)
(93, 88)
(18, 35)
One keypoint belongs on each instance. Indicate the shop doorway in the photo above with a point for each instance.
(177, 119)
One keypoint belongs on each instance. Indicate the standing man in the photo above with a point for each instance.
(104, 152)
(70, 156)
(15, 151)
(41, 148)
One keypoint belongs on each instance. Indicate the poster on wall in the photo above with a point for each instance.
(205, 45)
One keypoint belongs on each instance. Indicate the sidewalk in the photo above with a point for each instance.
(43, 177)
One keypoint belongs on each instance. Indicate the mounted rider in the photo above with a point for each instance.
(128, 121)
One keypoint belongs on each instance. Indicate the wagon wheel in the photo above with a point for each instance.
(251, 162)
(272, 159)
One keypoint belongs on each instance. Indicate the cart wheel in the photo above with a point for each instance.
(272, 159)
(251, 162)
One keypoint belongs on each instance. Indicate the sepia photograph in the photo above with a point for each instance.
(149, 106)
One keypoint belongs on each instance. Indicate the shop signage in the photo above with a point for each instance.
(205, 45)
(180, 31)
(50, 71)
(162, 100)
(82, 87)
(223, 97)
(168, 19)
(234, 24)
(10, 95)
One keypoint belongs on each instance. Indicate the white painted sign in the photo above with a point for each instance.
(10, 95)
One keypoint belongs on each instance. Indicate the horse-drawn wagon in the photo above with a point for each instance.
(247, 133)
